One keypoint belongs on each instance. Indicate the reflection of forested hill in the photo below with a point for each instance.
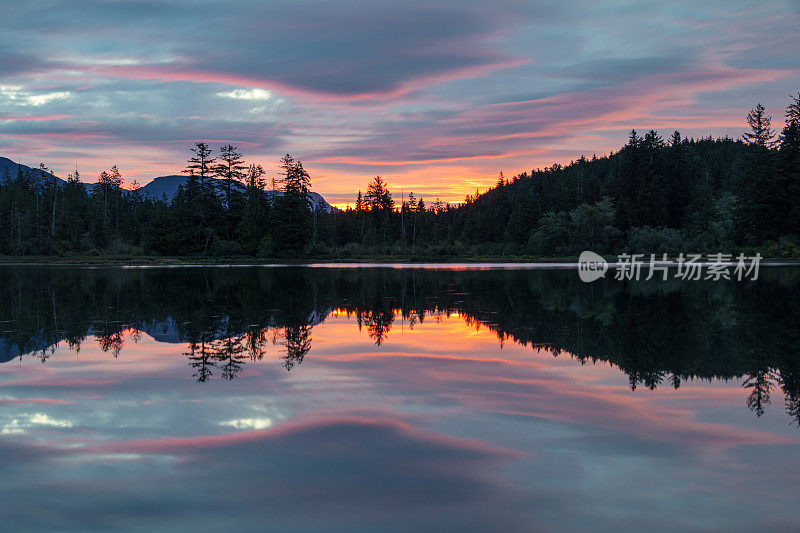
(656, 332)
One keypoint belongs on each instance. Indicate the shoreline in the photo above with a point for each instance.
(245, 261)
(344, 262)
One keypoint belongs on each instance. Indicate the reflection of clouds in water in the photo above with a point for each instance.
(321, 447)
(588, 441)
(343, 473)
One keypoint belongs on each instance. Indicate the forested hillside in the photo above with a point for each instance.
(654, 195)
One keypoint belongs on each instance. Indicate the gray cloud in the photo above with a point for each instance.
(342, 48)
(13, 62)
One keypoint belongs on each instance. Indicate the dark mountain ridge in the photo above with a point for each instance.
(167, 186)
(9, 169)
(158, 188)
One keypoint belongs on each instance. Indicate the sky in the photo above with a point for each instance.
(437, 97)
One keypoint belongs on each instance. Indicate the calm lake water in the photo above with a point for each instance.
(395, 399)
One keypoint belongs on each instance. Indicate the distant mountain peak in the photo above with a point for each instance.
(168, 186)
(162, 186)
(10, 168)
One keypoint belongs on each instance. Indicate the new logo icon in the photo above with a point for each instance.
(591, 266)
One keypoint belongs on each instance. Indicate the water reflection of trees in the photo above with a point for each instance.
(377, 321)
(298, 343)
(659, 334)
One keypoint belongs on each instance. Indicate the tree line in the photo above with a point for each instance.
(652, 196)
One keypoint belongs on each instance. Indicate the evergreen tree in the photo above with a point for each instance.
(107, 196)
(230, 170)
(201, 163)
(74, 215)
(789, 164)
(757, 183)
(205, 206)
(378, 196)
(251, 229)
(201, 166)
(760, 123)
(293, 228)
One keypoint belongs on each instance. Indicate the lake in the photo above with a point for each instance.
(396, 399)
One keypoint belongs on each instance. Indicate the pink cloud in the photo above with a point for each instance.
(45, 401)
(177, 73)
(33, 118)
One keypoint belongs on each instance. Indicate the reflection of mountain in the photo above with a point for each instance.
(657, 333)
(8, 351)
(165, 331)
